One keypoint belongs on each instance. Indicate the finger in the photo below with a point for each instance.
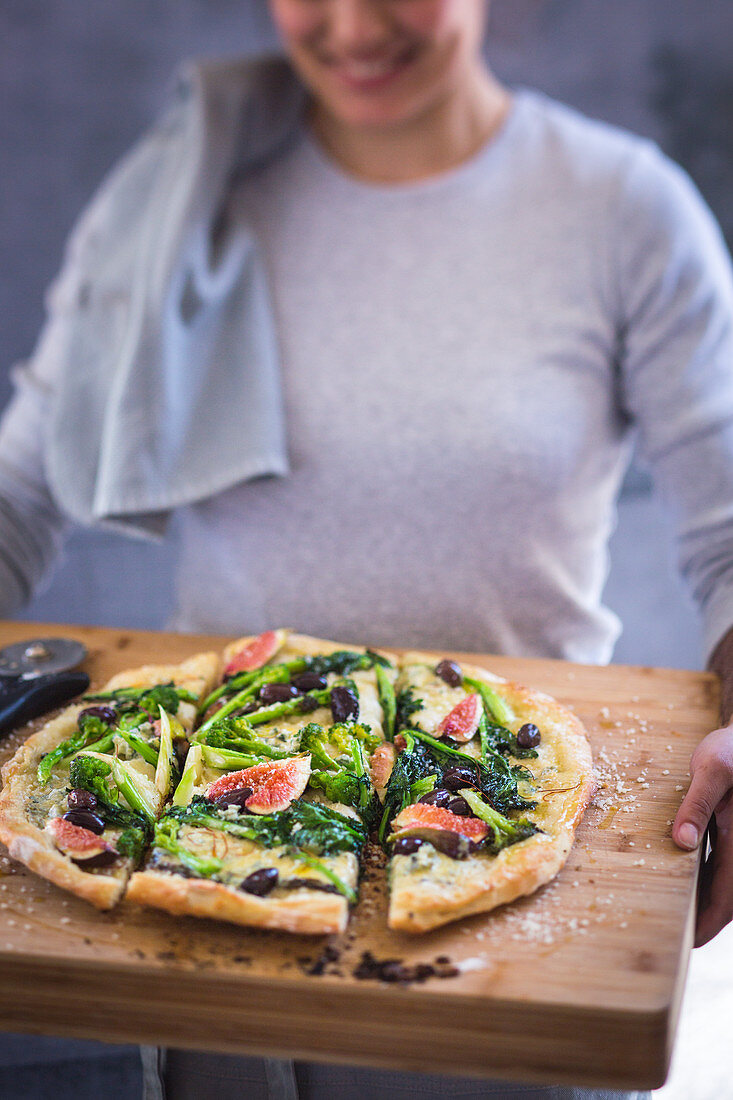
(716, 899)
(711, 779)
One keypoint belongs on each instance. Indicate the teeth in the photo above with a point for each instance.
(367, 70)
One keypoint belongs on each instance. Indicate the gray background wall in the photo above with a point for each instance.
(80, 82)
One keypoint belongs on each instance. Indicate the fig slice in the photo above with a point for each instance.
(79, 844)
(257, 652)
(415, 820)
(381, 763)
(274, 783)
(462, 722)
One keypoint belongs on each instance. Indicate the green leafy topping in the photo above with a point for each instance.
(407, 705)
(497, 709)
(244, 686)
(318, 865)
(192, 775)
(90, 730)
(503, 830)
(127, 700)
(94, 775)
(413, 765)
(142, 747)
(227, 760)
(238, 735)
(343, 777)
(166, 837)
(344, 661)
(495, 777)
(387, 701)
(307, 826)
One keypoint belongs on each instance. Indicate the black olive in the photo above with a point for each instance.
(233, 798)
(451, 844)
(308, 703)
(529, 736)
(277, 693)
(450, 672)
(344, 704)
(459, 806)
(101, 859)
(85, 819)
(406, 845)
(79, 799)
(260, 882)
(438, 797)
(105, 714)
(310, 681)
(456, 778)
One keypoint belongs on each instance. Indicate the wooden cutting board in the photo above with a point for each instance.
(581, 983)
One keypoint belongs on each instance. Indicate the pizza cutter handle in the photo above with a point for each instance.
(23, 700)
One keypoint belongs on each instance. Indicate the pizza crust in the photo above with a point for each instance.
(428, 889)
(310, 912)
(34, 846)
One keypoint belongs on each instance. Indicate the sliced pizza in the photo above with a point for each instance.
(488, 785)
(81, 796)
(276, 799)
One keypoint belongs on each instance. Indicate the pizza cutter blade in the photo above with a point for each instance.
(40, 657)
(35, 677)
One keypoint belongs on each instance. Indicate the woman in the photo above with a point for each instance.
(434, 308)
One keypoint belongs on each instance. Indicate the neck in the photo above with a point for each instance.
(441, 138)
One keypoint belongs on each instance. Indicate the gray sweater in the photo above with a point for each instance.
(464, 362)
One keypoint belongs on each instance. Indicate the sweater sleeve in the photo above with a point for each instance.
(675, 296)
(32, 528)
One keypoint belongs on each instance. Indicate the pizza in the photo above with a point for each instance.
(246, 788)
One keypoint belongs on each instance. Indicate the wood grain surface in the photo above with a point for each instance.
(579, 983)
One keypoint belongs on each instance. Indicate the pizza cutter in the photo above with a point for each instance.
(36, 676)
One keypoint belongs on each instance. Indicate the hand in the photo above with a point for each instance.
(709, 800)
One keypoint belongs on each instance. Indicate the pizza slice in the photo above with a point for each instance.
(275, 803)
(489, 782)
(81, 796)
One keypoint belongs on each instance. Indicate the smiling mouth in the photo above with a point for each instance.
(371, 73)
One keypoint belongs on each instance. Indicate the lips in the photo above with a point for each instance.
(366, 74)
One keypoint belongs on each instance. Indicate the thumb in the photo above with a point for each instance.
(710, 782)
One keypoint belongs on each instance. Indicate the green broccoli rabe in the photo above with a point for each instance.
(504, 831)
(345, 777)
(351, 895)
(309, 826)
(166, 837)
(90, 730)
(496, 778)
(497, 709)
(236, 735)
(226, 760)
(142, 747)
(240, 691)
(126, 700)
(405, 706)
(412, 767)
(93, 774)
(192, 776)
(245, 685)
(97, 773)
(387, 701)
